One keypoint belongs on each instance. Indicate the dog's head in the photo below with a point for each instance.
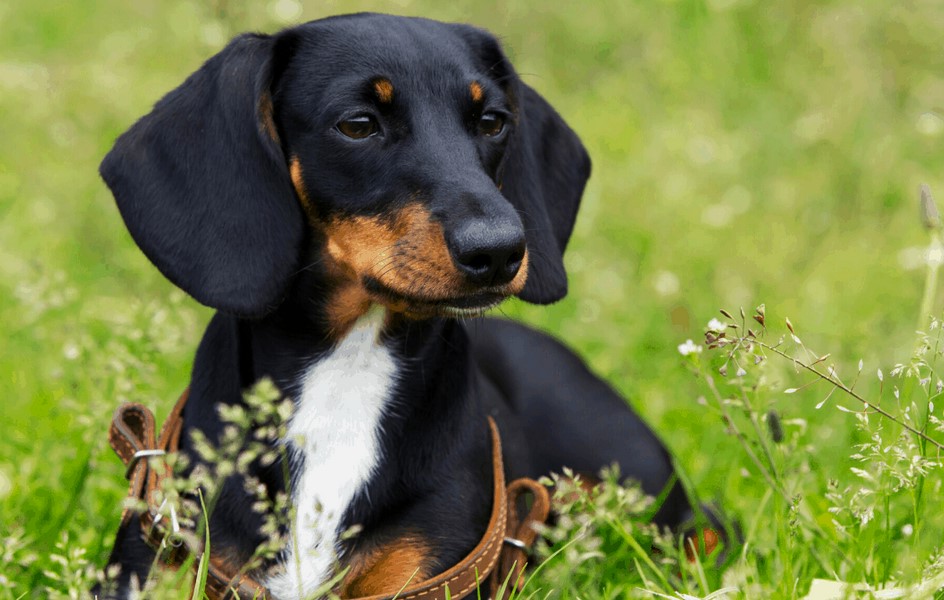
(403, 156)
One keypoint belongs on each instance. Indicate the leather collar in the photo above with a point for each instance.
(495, 566)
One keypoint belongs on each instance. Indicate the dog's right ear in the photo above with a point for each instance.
(203, 187)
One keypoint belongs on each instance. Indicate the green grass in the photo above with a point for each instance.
(744, 152)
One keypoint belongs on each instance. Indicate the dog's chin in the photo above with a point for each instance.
(414, 305)
(472, 306)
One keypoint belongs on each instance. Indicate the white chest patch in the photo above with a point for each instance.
(336, 427)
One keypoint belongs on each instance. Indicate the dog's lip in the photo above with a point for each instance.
(459, 306)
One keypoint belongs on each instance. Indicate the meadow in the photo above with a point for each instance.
(746, 154)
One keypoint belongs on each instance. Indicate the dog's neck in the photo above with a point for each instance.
(383, 405)
(288, 342)
(370, 405)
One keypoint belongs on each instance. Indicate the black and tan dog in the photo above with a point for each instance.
(343, 193)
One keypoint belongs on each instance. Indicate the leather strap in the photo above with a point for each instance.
(496, 559)
(523, 532)
(474, 570)
(131, 435)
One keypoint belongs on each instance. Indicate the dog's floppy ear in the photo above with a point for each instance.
(544, 173)
(202, 184)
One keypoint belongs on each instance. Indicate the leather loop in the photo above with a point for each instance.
(131, 431)
(522, 534)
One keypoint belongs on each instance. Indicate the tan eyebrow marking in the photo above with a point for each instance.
(384, 90)
(476, 90)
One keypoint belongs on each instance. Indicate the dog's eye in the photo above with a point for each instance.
(359, 127)
(491, 124)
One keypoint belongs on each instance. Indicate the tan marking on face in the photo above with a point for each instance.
(403, 252)
(265, 116)
(517, 284)
(346, 304)
(387, 569)
(384, 90)
(407, 254)
(475, 89)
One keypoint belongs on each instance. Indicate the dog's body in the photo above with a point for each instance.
(340, 192)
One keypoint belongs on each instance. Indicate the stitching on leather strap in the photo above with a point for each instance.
(487, 550)
(483, 575)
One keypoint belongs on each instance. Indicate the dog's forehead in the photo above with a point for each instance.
(406, 48)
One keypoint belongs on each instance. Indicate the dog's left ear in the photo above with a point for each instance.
(544, 173)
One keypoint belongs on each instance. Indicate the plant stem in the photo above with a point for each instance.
(935, 254)
(761, 437)
(742, 439)
(850, 392)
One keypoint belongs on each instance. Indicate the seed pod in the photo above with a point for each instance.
(726, 313)
(929, 214)
(774, 426)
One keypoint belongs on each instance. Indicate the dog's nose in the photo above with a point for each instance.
(488, 253)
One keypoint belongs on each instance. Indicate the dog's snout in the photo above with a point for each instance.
(488, 253)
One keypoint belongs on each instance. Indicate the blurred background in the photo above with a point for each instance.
(744, 152)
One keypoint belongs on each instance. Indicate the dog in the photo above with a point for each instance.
(348, 194)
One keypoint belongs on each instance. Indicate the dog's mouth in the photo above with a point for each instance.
(466, 305)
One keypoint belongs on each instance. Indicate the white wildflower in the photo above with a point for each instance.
(716, 326)
(71, 351)
(689, 347)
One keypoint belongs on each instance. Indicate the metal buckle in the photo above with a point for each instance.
(137, 456)
(518, 544)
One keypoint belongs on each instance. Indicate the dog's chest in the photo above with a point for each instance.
(335, 429)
